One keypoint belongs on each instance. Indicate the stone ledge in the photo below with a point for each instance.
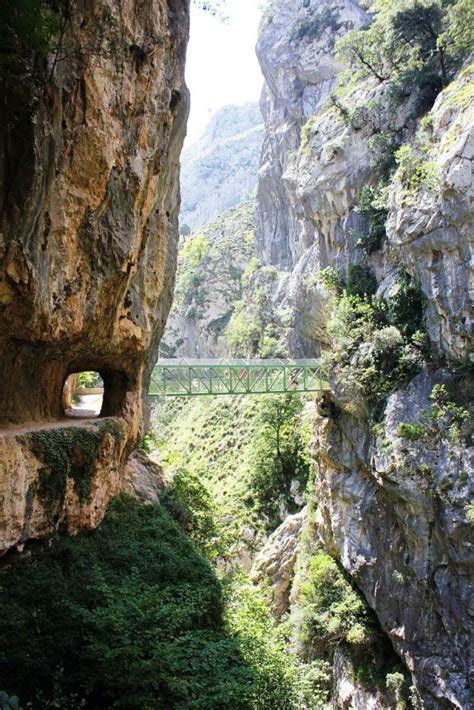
(58, 477)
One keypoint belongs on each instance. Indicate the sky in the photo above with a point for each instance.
(222, 67)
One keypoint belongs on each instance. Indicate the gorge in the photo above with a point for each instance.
(256, 552)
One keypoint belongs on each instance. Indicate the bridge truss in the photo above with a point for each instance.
(194, 378)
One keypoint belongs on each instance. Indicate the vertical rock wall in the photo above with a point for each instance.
(392, 512)
(296, 52)
(89, 206)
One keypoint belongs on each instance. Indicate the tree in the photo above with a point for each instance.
(28, 32)
(278, 413)
(417, 29)
(282, 456)
(362, 50)
(415, 44)
(458, 39)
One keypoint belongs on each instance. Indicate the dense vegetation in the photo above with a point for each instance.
(233, 459)
(133, 616)
(378, 345)
(29, 32)
(215, 447)
(415, 45)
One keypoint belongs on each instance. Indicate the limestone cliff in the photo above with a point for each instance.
(296, 52)
(89, 202)
(393, 471)
(220, 169)
(213, 265)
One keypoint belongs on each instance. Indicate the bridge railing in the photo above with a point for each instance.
(194, 378)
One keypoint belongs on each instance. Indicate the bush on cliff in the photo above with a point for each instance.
(377, 346)
(332, 611)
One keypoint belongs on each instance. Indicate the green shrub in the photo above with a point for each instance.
(398, 577)
(387, 360)
(189, 502)
(414, 173)
(470, 513)
(306, 132)
(251, 268)
(330, 278)
(395, 683)
(382, 147)
(406, 306)
(262, 647)
(445, 420)
(360, 281)
(332, 611)
(372, 202)
(314, 684)
(409, 431)
(148, 443)
(448, 418)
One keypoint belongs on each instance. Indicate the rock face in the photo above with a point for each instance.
(58, 477)
(348, 692)
(394, 514)
(220, 170)
(144, 479)
(209, 285)
(295, 50)
(433, 231)
(88, 228)
(392, 511)
(276, 560)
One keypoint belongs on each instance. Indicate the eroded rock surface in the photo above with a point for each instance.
(58, 477)
(276, 560)
(432, 230)
(88, 226)
(392, 511)
(143, 478)
(220, 170)
(296, 52)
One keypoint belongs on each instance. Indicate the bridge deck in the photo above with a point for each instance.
(194, 378)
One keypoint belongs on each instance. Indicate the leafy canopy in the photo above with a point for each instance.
(415, 44)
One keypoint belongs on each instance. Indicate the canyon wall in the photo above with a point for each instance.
(220, 169)
(89, 201)
(212, 268)
(392, 485)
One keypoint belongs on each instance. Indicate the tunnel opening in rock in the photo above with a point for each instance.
(83, 394)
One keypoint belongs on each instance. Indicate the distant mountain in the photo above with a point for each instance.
(220, 170)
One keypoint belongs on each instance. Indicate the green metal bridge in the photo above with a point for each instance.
(195, 378)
